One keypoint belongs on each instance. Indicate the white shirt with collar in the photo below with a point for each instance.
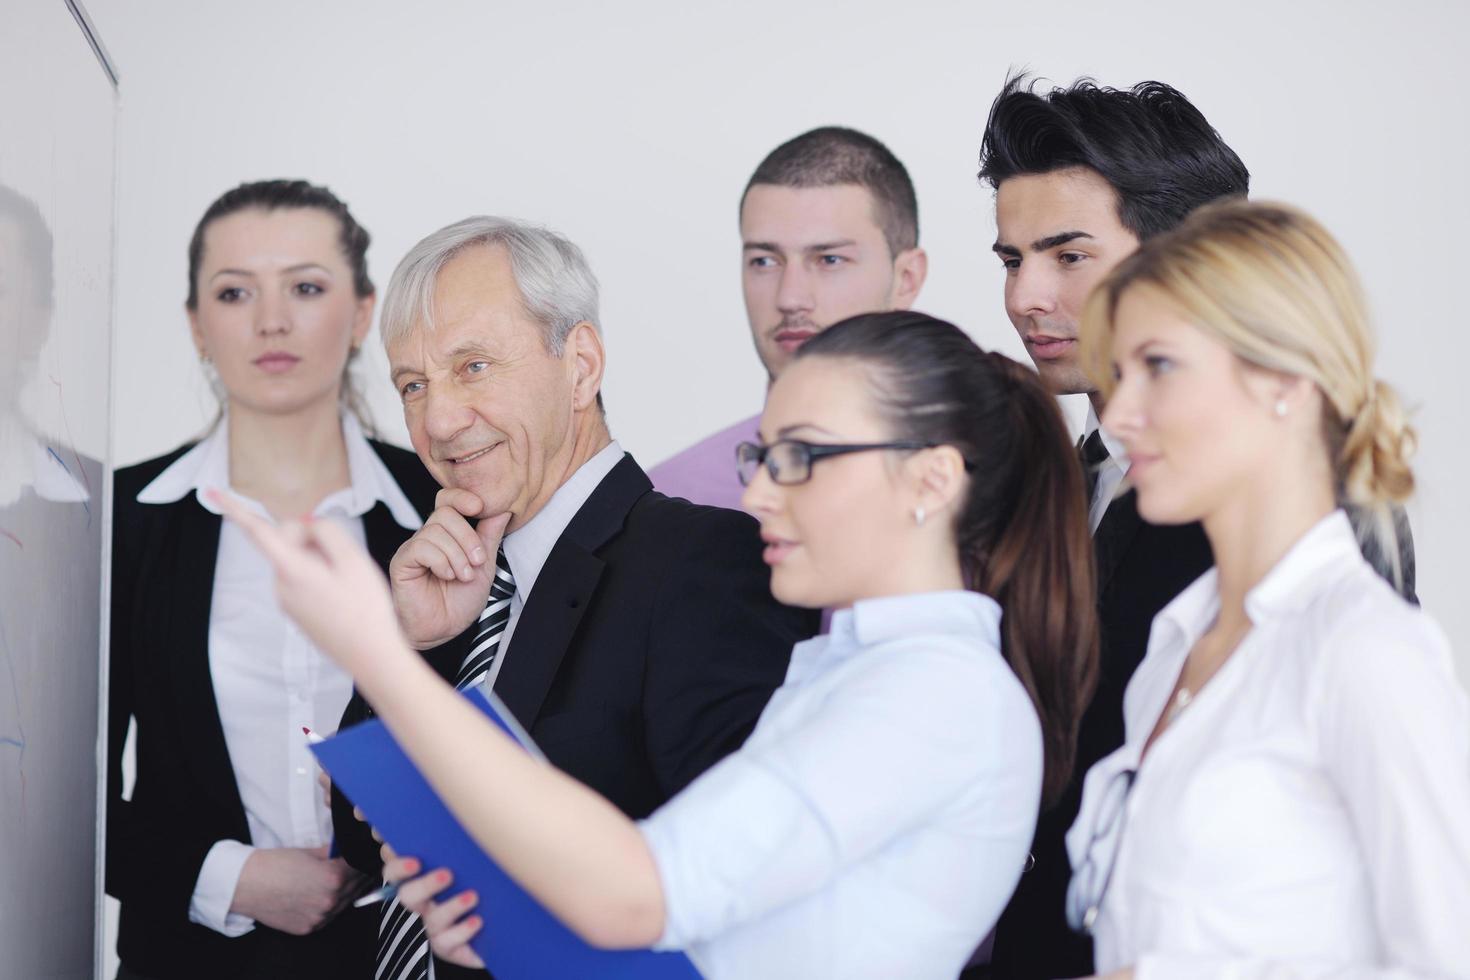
(528, 546)
(1308, 814)
(1111, 473)
(877, 819)
(269, 680)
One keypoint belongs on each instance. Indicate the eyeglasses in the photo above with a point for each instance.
(1089, 886)
(789, 461)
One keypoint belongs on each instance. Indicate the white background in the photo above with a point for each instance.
(632, 128)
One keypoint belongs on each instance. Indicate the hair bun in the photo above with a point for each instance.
(1375, 454)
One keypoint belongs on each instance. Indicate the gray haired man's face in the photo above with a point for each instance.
(489, 408)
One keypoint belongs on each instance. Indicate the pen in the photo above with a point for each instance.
(382, 894)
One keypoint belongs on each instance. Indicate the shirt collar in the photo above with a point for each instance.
(872, 621)
(208, 465)
(1317, 560)
(528, 546)
(1117, 452)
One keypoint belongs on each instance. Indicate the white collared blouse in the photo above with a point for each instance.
(270, 681)
(877, 819)
(1308, 814)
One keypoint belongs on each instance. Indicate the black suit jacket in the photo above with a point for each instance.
(643, 655)
(1140, 568)
(185, 797)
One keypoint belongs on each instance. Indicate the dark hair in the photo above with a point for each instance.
(1022, 533)
(1157, 151)
(834, 155)
(273, 195)
(36, 237)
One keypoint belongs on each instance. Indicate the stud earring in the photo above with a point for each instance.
(1281, 408)
(919, 515)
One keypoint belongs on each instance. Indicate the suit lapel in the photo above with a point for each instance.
(1114, 535)
(185, 640)
(563, 591)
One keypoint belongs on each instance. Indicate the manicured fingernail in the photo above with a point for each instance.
(474, 921)
(478, 557)
(442, 877)
(411, 865)
(468, 898)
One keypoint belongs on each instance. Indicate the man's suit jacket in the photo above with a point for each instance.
(643, 655)
(1140, 568)
(185, 796)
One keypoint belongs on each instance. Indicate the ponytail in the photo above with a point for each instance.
(1371, 453)
(1040, 569)
(1021, 533)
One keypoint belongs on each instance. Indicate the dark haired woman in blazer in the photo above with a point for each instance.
(220, 858)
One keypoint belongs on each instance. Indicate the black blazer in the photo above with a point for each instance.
(643, 655)
(185, 797)
(1140, 568)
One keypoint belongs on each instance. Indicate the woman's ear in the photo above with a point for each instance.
(938, 476)
(196, 333)
(362, 319)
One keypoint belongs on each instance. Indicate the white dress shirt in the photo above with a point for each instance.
(269, 680)
(1109, 475)
(528, 546)
(1308, 814)
(877, 819)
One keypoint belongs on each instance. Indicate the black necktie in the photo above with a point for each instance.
(1093, 455)
(403, 946)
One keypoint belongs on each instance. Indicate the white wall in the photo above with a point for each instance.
(633, 126)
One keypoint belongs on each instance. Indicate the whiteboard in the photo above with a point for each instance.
(57, 112)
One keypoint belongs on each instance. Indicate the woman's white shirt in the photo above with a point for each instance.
(269, 679)
(1308, 814)
(877, 819)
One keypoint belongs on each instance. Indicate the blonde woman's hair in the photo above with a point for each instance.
(1271, 284)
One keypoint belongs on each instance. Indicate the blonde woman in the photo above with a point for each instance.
(1293, 797)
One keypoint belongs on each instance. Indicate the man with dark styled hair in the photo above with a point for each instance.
(829, 227)
(1082, 175)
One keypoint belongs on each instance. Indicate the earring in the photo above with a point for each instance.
(919, 515)
(1281, 408)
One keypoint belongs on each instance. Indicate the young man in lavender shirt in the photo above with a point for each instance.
(829, 227)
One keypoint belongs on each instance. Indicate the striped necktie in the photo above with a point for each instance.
(403, 946)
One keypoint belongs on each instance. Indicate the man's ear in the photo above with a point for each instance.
(909, 271)
(586, 360)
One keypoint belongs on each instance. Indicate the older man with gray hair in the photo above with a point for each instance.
(632, 634)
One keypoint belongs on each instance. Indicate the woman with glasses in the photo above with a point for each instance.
(877, 819)
(1293, 796)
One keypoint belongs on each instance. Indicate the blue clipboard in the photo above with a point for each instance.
(520, 939)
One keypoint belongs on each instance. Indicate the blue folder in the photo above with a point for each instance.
(520, 940)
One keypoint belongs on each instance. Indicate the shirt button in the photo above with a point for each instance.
(301, 770)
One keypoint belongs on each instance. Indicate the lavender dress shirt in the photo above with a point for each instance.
(705, 472)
